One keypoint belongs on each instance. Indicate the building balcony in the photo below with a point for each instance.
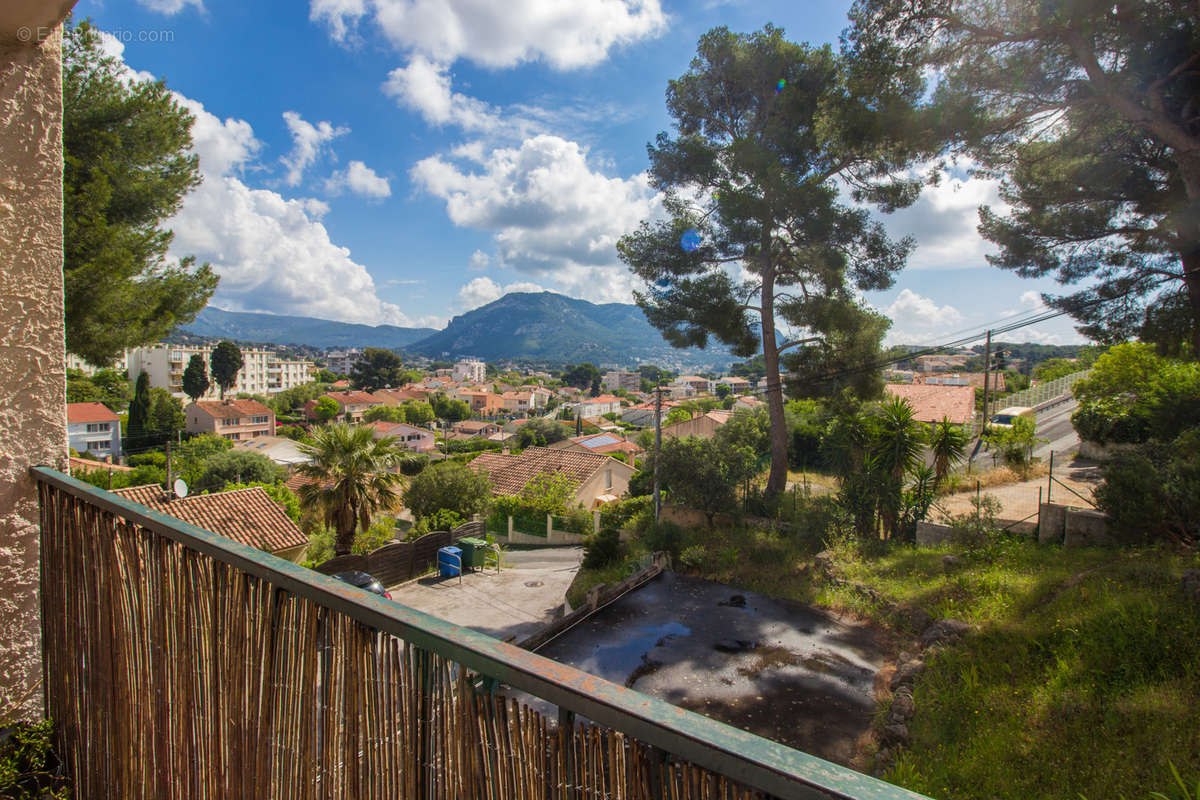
(181, 663)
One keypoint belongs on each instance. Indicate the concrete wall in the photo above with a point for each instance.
(33, 412)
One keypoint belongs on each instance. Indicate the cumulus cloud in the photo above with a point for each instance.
(481, 291)
(360, 179)
(564, 35)
(916, 318)
(308, 141)
(945, 219)
(479, 261)
(424, 87)
(551, 215)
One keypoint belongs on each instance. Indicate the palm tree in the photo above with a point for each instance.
(899, 444)
(353, 478)
(948, 442)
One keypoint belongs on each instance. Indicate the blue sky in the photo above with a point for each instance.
(403, 161)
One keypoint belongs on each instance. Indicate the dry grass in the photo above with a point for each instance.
(1002, 475)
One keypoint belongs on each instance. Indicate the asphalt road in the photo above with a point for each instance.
(1054, 425)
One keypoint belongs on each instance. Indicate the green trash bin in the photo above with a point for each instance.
(473, 551)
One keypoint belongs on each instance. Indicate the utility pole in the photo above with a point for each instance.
(987, 366)
(657, 442)
(170, 477)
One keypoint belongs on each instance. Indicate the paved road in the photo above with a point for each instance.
(1054, 425)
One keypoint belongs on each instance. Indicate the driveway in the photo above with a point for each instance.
(511, 605)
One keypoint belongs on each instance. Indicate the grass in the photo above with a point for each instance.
(1081, 679)
(1002, 475)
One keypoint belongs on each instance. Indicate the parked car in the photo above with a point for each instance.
(363, 580)
(1004, 418)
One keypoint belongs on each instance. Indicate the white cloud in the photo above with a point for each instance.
(1032, 300)
(341, 16)
(944, 221)
(481, 291)
(308, 141)
(223, 146)
(360, 179)
(424, 87)
(565, 35)
(550, 214)
(915, 319)
(479, 261)
(170, 6)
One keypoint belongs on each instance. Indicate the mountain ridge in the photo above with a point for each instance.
(529, 326)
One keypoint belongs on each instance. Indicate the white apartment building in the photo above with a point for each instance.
(261, 372)
(622, 379)
(77, 363)
(341, 362)
(470, 370)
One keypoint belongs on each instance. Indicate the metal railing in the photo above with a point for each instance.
(180, 663)
(1032, 397)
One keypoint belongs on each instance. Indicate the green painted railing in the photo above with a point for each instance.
(181, 663)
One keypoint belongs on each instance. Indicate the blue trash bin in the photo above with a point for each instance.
(449, 561)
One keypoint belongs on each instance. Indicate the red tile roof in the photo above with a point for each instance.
(90, 412)
(353, 397)
(226, 409)
(248, 516)
(932, 403)
(86, 464)
(509, 473)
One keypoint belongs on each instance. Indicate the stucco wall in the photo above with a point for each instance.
(33, 415)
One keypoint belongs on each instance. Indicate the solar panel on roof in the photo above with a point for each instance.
(601, 441)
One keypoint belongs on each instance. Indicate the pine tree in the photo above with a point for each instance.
(226, 363)
(195, 378)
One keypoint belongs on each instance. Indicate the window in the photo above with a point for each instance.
(105, 445)
(98, 427)
(260, 420)
(608, 479)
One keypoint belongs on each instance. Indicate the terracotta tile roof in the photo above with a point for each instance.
(90, 412)
(469, 425)
(606, 443)
(931, 403)
(86, 464)
(225, 409)
(297, 480)
(510, 473)
(353, 397)
(397, 396)
(248, 516)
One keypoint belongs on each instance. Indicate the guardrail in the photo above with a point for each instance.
(179, 663)
(1031, 397)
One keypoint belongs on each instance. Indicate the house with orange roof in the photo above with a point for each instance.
(248, 516)
(598, 406)
(93, 428)
(230, 419)
(604, 443)
(932, 402)
(410, 437)
(352, 404)
(704, 426)
(597, 478)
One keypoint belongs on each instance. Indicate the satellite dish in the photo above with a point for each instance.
(180, 488)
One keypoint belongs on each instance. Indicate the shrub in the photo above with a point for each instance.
(236, 466)
(448, 485)
(444, 519)
(154, 458)
(620, 513)
(1154, 492)
(664, 536)
(603, 549)
(28, 766)
(977, 530)
(694, 557)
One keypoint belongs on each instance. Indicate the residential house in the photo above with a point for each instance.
(942, 363)
(704, 426)
(280, 449)
(699, 385)
(352, 404)
(682, 391)
(248, 516)
(473, 427)
(931, 402)
(597, 478)
(471, 370)
(230, 418)
(93, 428)
(485, 404)
(397, 397)
(522, 401)
(748, 403)
(609, 444)
(737, 385)
(410, 437)
(997, 381)
(622, 379)
(598, 406)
